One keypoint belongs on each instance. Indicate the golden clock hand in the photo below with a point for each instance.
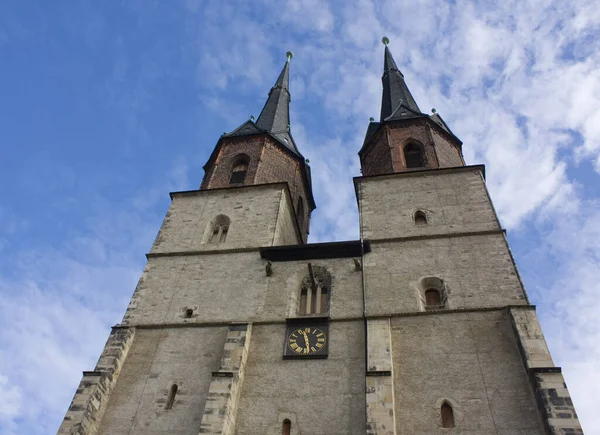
(307, 341)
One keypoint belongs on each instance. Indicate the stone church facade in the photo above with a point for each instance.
(238, 326)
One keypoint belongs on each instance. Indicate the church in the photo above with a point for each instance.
(239, 326)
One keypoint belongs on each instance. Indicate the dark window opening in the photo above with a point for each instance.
(287, 427)
(413, 156)
(189, 312)
(433, 300)
(171, 397)
(447, 415)
(238, 173)
(420, 218)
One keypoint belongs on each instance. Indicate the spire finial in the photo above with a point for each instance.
(289, 55)
(385, 40)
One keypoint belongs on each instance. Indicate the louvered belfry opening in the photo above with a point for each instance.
(413, 156)
(239, 171)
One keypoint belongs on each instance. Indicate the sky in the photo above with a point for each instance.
(106, 107)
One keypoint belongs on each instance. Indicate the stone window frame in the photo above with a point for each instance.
(440, 402)
(321, 295)
(433, 283)
(420, 213)
(217, 230)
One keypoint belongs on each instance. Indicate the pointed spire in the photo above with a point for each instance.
(275, 116)
(397, 101)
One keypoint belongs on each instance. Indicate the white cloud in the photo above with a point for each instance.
(513, 80)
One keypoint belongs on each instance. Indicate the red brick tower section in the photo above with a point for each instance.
(405, 139)
(264, 152)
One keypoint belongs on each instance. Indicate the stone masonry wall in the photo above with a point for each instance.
(253, 212)
(269, 163)
(286, 232)
(225, 388)
(277, 165)
(477, 272)
(555, 402)
(387, 147)
(381, 419)
(448, 154)
(376, 159)
(319, 396)
(219, 173)
(454, 201)
(91, 398)
(470, 360)
(209, 283)
(159, 358)
(400, 133)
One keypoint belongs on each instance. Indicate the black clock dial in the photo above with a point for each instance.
(306, 340)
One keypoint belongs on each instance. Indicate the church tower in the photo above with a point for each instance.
(238, 326)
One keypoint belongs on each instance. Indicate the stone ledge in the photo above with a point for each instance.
(222, 374)
(439, 236)
(378, 373)
(284, 321)
(202, 252)
(545, 370)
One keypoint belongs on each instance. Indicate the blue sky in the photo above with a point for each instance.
(105, 107)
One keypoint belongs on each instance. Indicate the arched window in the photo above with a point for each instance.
(447, 415)
(432, 299)
(217, 229)
(413, 156)
(314, 295)
(171, 397)
(433, 293)
(287, 427)
(300, 212)
(239, 170)
(420, 218)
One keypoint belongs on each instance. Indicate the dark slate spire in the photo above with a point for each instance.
(397, 101)
(275, 116)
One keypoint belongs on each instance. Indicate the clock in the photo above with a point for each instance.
(306, 341)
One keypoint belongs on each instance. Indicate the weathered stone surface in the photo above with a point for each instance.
(480, 351)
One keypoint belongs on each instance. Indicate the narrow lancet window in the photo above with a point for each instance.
(239, 171)
(447, 415)
(171, 397)
(413, 156)
(287, 427)
(420, 218)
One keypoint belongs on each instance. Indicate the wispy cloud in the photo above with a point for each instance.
(516, 81)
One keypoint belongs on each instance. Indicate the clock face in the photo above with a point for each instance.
(306, 341)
